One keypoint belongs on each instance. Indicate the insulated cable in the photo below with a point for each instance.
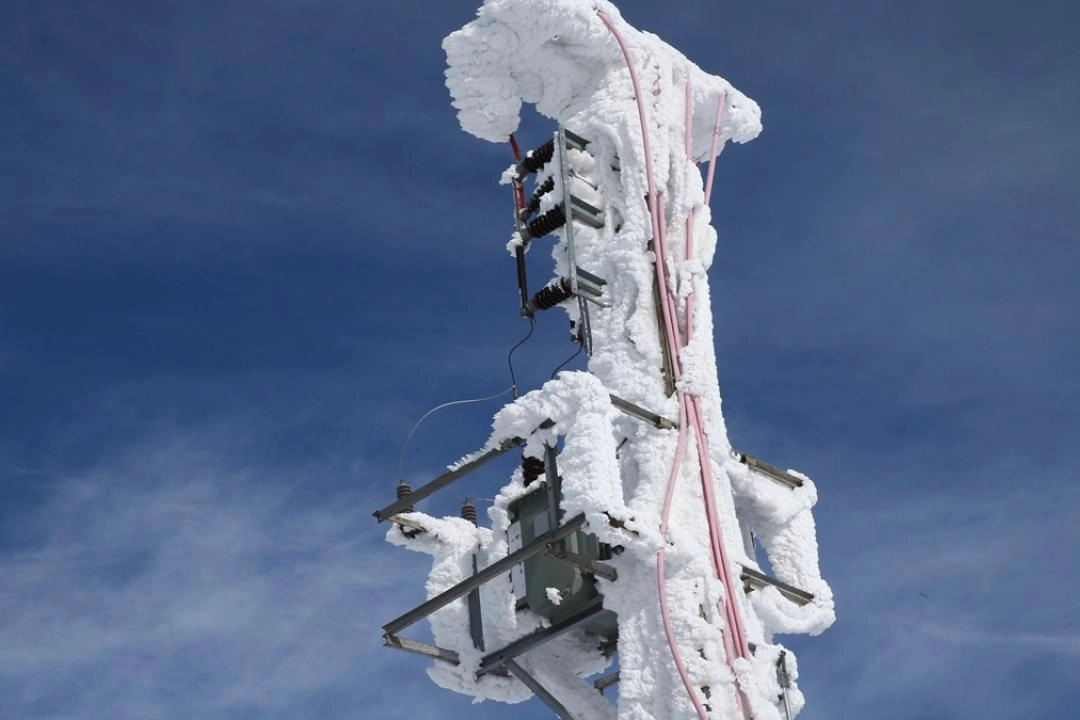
(432, 411)
(510, 356)
(567, 361)
(669, 631)
(513, 388)
(688, 406)
(719, 552)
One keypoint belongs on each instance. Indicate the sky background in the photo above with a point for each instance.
(244, 245)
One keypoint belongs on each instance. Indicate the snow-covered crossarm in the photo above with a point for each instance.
(631, 523)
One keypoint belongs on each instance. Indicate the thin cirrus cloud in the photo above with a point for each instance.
(167, 583)
(175, 578)
(941, 589)
(288, 252)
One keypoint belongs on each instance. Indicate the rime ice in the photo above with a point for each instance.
(559, 56)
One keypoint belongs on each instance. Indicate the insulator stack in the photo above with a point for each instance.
(537, 159)
(404, 491)
(551, 295)
(534, 202)
(550, 221)
(468, 511)
(531, 469)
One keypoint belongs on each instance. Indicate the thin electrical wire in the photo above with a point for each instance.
(432, 411)
(715, 144)
(688, 406)
(510, 357)
(567, 361)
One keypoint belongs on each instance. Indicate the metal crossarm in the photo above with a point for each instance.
(757, 579)
(603, 683)
(770, 471)
(539, 690)
(574, 141)
(591, 287)
(636, 411)
(586, 213)
(494, 661)
(445, 479)
(407, 523)
(419, 648)
(600, 569)
(585, 275)
(537, 545)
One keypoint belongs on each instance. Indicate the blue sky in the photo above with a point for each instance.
(244, 245)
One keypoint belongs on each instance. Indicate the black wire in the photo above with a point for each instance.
(512, 388)
(567, 361)
(510, 356)
(432, 411)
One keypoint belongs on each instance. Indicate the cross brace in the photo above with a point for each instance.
(539, 690)
(419, 648)
(770, 471)
(537, 545)
(500, 658)
(445, 479)
(756, 579)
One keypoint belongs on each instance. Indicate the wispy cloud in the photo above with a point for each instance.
(1065, 644)
(947, 600)
(167, 583)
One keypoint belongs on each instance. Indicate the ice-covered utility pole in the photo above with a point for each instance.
(634, 544)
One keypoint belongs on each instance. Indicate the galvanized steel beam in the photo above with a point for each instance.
(538, 544)
(757, 579)
(539, 690)
(603, 683)
(445, 479)
(640, 413)
(419, 648)
(770, 471)
(500, 658)
(559, 552)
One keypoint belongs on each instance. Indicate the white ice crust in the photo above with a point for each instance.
(559, 56)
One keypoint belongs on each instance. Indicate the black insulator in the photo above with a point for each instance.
(552, 220)
(468, 511)
(531, 469)
(404, 491)
(537, 159)
(551, 295)
(534, 202)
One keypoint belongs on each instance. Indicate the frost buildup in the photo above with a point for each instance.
(642, 541)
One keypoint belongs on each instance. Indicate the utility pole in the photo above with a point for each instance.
(632, 529)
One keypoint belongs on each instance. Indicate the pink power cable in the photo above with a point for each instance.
(731, 644)
(681, 444)
(669, 631)
(719, 551)
(668, 311)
